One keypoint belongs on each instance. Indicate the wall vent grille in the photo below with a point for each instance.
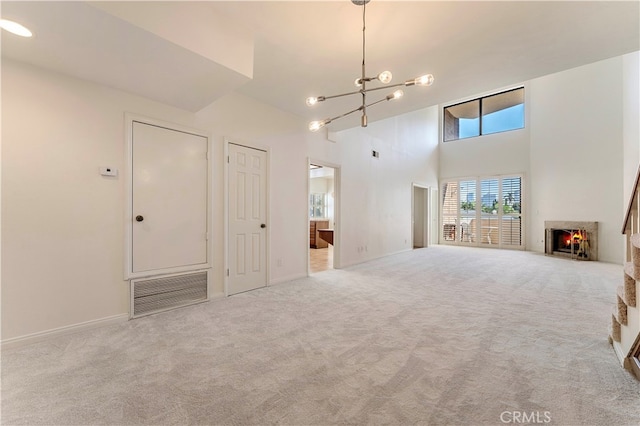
(153, 295)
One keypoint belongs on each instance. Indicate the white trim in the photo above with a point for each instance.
(63, 331)
(130, 118)
(369, 259)
(283, 280)
(215, 296)
(619, 353)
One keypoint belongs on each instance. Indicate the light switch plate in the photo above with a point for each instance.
(108, 171)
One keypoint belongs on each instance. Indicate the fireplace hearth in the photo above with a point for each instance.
(571, 239)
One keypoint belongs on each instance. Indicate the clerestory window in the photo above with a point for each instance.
(490, 114)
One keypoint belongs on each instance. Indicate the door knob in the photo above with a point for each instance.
(139, 218)
(263, 225)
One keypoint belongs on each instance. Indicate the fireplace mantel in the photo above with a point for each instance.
(590, 227)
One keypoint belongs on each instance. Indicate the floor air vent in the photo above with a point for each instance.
(160, 294)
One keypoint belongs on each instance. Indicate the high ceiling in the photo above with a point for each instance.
(188, 54)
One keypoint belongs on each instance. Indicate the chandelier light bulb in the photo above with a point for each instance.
(358, 82)
(395, 95)
(312, 100)
(314, 126)
(385, 77)
(424, 80)
(15, 28)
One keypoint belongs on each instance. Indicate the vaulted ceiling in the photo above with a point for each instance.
(189, 54)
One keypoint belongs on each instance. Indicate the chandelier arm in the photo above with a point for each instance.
(347, 113)
(377, 102)
(382, 87)
(361, 91)
(342, 94)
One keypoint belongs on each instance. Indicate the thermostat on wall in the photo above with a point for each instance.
(108, 171)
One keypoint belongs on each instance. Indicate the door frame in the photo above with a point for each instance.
(336, 211)
(226, 266)
(130, 118)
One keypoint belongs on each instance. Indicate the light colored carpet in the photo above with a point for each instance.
(438, 336)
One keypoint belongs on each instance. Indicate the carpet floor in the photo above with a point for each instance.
(437, 336)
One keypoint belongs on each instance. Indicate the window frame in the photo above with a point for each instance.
(480, 100)
(318, 200)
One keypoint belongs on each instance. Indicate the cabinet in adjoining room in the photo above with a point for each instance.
(314, 239)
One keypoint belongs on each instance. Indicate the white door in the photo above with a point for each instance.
(169, 199)
(247, 219)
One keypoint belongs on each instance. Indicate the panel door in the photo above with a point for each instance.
(247, 219)
(169, 199)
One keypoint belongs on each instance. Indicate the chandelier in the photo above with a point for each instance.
(384, 77)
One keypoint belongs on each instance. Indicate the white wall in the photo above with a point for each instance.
(63, 223)
(570, 152)
(376, 192)
(494, 154)
(576, 153)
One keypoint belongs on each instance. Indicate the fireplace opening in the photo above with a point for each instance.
(570, 241)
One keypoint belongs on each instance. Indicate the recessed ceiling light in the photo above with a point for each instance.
(15, 28)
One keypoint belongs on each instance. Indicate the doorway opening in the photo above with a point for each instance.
(322, 217)
(424, 216)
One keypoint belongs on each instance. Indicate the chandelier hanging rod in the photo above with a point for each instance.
(384, 78)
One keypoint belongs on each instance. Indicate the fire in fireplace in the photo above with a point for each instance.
(571, 241)
(577, 240)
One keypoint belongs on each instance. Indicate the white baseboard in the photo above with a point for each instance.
(619, 354)
(214, 296)
(369, 259)
(287, 279)
(61, 331)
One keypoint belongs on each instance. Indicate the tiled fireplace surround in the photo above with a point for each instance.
(591, 229)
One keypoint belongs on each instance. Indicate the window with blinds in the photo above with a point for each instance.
(483, 211)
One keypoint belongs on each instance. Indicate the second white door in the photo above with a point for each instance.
(247, 219)
(169, 199)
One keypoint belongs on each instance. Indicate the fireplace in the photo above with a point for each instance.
(575, 240)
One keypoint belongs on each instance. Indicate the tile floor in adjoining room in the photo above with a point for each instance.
(320, 259)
